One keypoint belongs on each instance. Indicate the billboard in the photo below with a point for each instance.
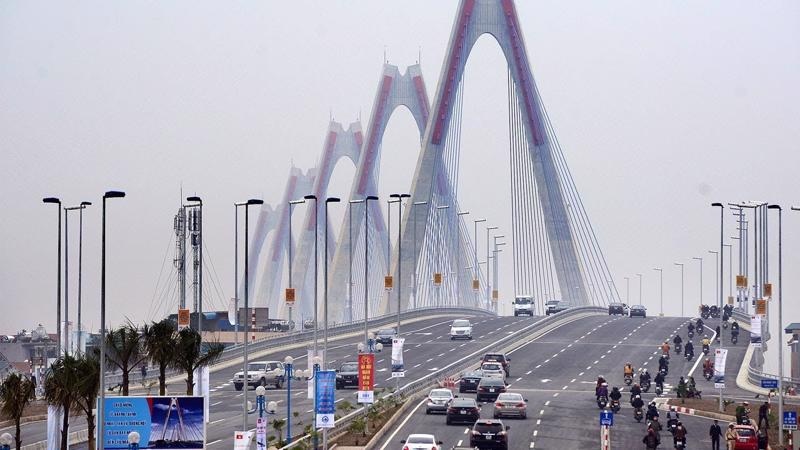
(755, 331)
(366, 377)
(325, 398)
(398, 368)
(720, 355)
(162, 422)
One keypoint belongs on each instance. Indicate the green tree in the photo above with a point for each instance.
(88, 370)
(16, 393)
(190, 355)
(159, 342)
(61, 388)
(125, 351)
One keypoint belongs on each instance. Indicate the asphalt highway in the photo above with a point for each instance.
(557, 374)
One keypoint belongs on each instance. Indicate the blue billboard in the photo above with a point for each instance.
(325, 398)
(162, 422)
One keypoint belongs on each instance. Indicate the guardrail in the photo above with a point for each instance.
(432, 378)
(293, 337)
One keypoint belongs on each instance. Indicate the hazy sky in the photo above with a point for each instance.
(661, 108)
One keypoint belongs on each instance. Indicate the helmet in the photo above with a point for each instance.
(638, 396)
(672, 408)
(645, 371)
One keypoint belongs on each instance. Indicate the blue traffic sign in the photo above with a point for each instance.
(790, 420)
(769, 384)
(607, 418)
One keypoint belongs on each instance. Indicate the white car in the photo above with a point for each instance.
(461, 329)
(261, 373)
(493, 370)
(523, 306)
(438, 400)
(421, 442)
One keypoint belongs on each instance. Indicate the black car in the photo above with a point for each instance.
(469, 381)
(347, 375)
(489, 434)
(464, 410)
(489, 389)
(498, 358)
(385, 336)
(638, 310)
(617, 308)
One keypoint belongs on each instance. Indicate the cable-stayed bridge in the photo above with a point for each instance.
(556, 253)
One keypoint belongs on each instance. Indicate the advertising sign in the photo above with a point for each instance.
(755, 331)
(761, 307)
(325, 401)
(437, 278)
(162, 422)
(261, 433)
(241, 440)
(183, 318)
(290, 296)
(366, 377)
(741, 281)
(398, 368)
(476, 285)
(720, 355)
(767, 289)
(388, 282)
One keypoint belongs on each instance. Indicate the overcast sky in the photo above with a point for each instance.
(661, 108)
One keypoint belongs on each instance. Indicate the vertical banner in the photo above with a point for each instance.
(720, 355)
(398, 368)
(324, 400)
(183, 318)
(54, 421)
(241, 440)
(232, 311)
(201, 387)
(755, 331)
(366, 377)
(261, 433)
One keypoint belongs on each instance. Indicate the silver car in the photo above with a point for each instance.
(493, 370)
(438, 400)
(510, 404)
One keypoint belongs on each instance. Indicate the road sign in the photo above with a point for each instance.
(741, 281)
(761, 307)
(388, 282)
(790, 420)
(290, 296)
(607, 418)
(437, 278)
(495, 295)
(769, 384)
(183, 318)
(476, 285)
(767, 289)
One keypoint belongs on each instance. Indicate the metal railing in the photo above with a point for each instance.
(237, 351)
(464, 363)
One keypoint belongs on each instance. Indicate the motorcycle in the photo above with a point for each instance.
(672, 424)
(628, 380)
(689, 356)
(664, 371)
(734, 339)
(680, 444)
(705, 349)
(691, 335)
(678, 348)
(665, 355)
(638, 414)
(659, 390)
(708, 373)
(602, 402)
(615, 406)
(725, 324)
(645, 385)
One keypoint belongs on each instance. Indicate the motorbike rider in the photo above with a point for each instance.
(734, 328)
(644, 377)
(635, 391)
(602, 391)
(699, 326)
(615, 394)
(691, 327)
(719, 333)
(652, 411)
(660, 381)
(665, 348)
(689, 350)
(628, 370)
(692, 388)
(637, 402)
(680, 434)
(672, 416)
(663, 364)
(708, 365)
(682, 388)
(677, 340)
(706, 342)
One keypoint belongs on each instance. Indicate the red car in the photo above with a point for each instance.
(747, 439)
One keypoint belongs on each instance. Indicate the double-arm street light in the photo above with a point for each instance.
(247, 205)
(681, 266)
(101, 406)
(640, 288)
(56, 201)
(399, 200)
(700, 258)
(780, 317)
(80, 208)
(661, 287)
(366, 266)
(328, 201)
(236, 206)
(316, 267)
(291, 245)
(488, 280)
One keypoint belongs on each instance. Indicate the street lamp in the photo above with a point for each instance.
(475, 264)
(717, 262)
(700, 258)
(80, 208)
(721, 244)
(438, 263)
(328, 201)
(661, 286)
(780, 316)
(628, 290)
(640, 288)
(56, 201)
(488, 281)
(458, 252)
(288, 366)
(730, 269)
(247, 205)
(236, 206)
(198, 202)
(101, 406)
(681, 266)
(416, 256)
(366, 265)
(350, 251)
(399, 198)
(291, 244)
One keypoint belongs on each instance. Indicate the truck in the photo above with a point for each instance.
(523, 306)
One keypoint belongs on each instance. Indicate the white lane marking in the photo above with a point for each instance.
(535, 432)
(402, 424)
(596, 362)
(381, 360)
(215, 404)
(541, 412)
(539, 365)
(214, 442)
(528, 372)
(418, 345)
(573, 380)
(519, 379)
(416, 366)
(588, 367)
(580, 374)
(459, 443)
(547, 403)
(555, 395)
(466, 430)
(564, 388)
(538, 421)
(215, 421)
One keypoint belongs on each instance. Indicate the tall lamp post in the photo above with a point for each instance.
(488, 281)
(438, 263)
(700, 258)
(80, 208)
(198, 202)
(349, 308)
(719, 281)
(247, 205)
(291, 245)
(366, 266)
(730, 269)
(780, 317)
(236, 206)
(475, 265)
(458, 252)
(56, 201)
(316, 267)
(681, 266)
(101, 406)
(640, 288)
(399, 198)
(661, 287)
(288, 366)
(416, 255)
(717, 262)
(328, 201)
(628, 290)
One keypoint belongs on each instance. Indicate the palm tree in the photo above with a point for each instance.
(189, 355)
(61, 390)
(16, 393)
(88, 369)
(124, 350)
(159, 341)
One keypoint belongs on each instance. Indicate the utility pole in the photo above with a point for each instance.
(179, 225)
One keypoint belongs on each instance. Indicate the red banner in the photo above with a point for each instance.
(366, 371)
